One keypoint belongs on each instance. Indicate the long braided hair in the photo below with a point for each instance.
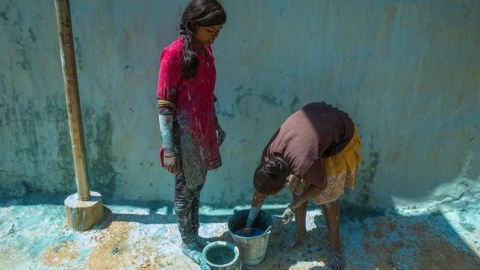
(197, 13)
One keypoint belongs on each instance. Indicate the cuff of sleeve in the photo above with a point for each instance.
(165, 107)
(168, 154)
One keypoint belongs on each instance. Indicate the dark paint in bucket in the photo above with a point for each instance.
(253, 232)
(253, 248)
(239, 219)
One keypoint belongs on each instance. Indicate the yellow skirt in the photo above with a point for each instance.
(340, 169)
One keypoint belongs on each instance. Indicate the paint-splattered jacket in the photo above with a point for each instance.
(191, 101)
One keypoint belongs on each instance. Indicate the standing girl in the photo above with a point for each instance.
(189, 127)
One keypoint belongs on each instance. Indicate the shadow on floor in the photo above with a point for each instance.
(32, 232)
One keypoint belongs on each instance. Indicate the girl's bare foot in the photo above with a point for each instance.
(292, 241)
(335, 260)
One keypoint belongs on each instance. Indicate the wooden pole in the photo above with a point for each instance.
(67, 54)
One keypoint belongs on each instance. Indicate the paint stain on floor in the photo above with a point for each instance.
(414, 245)
(34, 236)
(60, 254)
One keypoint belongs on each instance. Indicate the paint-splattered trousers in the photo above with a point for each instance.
(187, 202)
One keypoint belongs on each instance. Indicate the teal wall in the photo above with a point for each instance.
(408, 72)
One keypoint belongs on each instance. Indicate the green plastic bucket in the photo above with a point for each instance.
(221, 255)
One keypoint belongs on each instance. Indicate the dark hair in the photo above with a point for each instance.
(269, 178)
(197, 13)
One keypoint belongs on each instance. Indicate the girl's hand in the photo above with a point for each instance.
(245, 232)
(220, 136)
(172, 163)
(286, 217)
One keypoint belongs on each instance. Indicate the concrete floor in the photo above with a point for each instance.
(33, 235)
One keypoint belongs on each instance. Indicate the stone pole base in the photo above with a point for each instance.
(83, 215)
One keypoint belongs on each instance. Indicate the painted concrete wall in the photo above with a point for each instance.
(408, 72)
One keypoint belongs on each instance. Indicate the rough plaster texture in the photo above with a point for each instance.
(408, 72)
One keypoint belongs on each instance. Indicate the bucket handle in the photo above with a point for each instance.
(269, 228)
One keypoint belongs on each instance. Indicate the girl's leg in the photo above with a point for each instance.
(301, 229)
(183, 207)
(195, 209)
(332, 217)
(184, 198)
(201, 242)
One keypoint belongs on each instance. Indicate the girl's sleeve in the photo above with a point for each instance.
(168, 81)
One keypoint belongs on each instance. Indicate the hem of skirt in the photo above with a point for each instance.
(214, 165)
(326, 200)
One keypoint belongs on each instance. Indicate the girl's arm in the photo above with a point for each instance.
(306, 195)
(220, 133)
(168, 79)
(315, 175)
(257, 203)
(166, 124)
(170, 158)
